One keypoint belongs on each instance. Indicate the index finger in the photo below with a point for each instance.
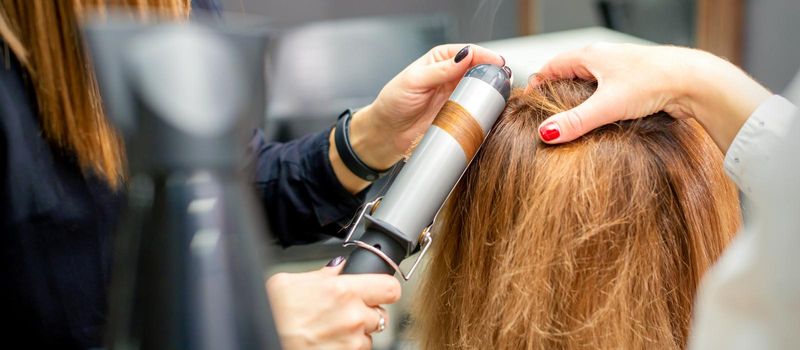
(480, 54)
(374, 289)
(567, 65)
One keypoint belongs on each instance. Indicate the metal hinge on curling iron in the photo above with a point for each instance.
(425, 240)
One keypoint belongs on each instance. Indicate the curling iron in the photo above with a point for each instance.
(399, 223)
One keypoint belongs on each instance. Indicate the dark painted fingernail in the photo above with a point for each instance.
(508, 71)
(549, 131)
(504, 60)
(462, 54)
(335, 261)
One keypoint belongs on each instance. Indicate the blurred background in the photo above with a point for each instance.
(366, 42)
(331, 55)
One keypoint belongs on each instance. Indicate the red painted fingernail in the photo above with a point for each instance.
(549, 131)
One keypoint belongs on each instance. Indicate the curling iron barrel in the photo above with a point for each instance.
(398, 223)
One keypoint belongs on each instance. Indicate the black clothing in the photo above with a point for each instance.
(56, 222)
(303, 199)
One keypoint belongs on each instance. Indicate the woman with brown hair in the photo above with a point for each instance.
(62, 174)
(748, 300)
(595, 244)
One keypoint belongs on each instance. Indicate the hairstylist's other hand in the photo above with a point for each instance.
(384, 130)
(325, 310)
(635, 81)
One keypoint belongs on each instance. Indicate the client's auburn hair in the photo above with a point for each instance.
(599, 243)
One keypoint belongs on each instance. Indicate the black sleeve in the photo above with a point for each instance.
(303, 199)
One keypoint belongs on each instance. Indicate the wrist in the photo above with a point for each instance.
(371, 142)
(350, 181)
(720, 96)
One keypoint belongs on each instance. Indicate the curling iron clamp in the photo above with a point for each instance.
(399, 223)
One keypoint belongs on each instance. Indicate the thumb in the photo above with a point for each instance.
(596, 111)
(442, 72)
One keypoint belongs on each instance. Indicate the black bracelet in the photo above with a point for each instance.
(349, 157)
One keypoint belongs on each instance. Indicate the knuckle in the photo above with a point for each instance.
(393, 291)
(341, 289)
(436, 51)
(353, 319)
(278, 281)
(442, 70)
(574, 121)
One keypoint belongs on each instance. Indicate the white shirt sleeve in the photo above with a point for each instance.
(757, 140)
(751, 298)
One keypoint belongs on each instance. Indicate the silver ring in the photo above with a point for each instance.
(381, 321)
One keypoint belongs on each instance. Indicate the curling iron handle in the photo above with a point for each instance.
(365, 261)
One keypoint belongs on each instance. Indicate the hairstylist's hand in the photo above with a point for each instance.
(635, 81)
(325, 310)
(384, 130)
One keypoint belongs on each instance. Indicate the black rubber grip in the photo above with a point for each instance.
(365, 261)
